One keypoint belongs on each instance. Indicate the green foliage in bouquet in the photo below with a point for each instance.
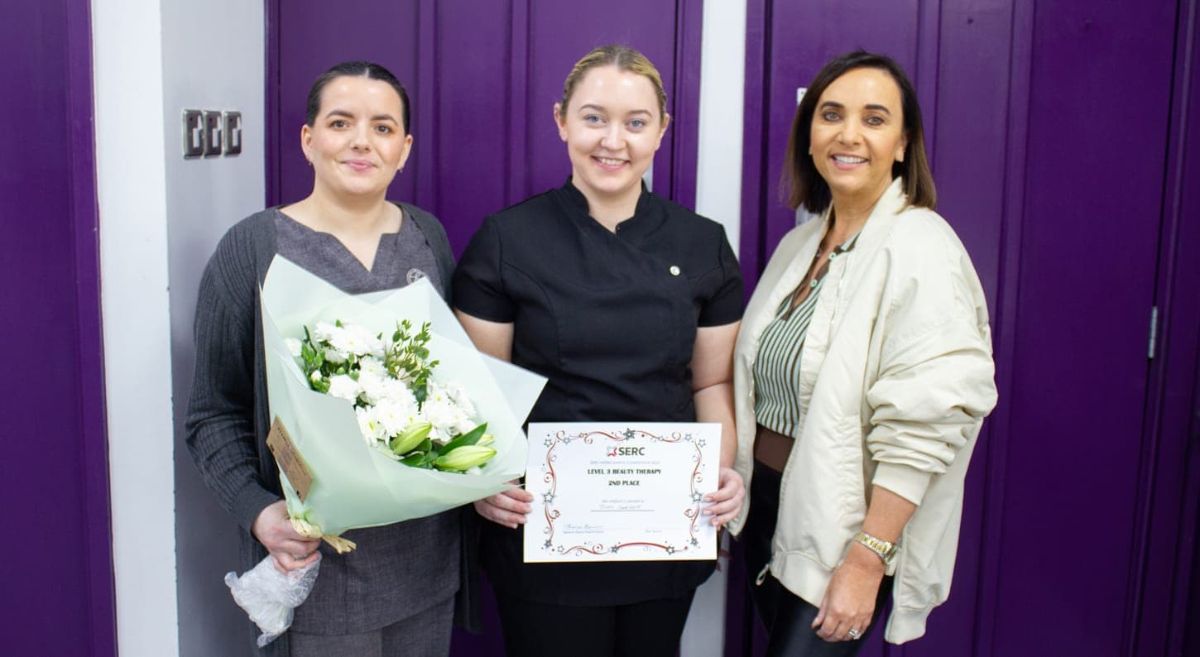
(406, 358)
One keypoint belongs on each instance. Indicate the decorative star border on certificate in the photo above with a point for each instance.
(692, 511)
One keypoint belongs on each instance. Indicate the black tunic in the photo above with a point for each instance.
(610, 319)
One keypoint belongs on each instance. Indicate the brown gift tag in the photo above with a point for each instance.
(289, 459)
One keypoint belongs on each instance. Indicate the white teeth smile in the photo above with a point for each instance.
(849, 159)
(608, 161)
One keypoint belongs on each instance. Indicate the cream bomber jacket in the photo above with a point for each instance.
(896, 378)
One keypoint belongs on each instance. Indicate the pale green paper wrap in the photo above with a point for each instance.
(354, 484)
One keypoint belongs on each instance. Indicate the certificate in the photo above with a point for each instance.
(629, 491)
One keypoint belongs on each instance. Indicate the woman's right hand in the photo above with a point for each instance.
(507, 508)
(290, 549)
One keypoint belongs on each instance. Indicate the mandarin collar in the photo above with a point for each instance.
(644, 218)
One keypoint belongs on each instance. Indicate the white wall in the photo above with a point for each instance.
(722, 85)
(160, 217)
(131, 187)
(719, 197)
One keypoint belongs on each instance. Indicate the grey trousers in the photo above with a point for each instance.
(425, 634)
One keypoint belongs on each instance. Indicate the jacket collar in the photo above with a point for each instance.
(808, 239)
(882, 218)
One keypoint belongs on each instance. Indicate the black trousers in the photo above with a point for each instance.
(642, 629)
(787, 617)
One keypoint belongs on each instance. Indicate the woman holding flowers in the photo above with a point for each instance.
(863, 374)
(395, 593)
(629, 305)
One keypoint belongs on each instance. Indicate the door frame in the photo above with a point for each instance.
(1169, 513)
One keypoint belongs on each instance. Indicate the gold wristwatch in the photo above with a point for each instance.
(885, 550)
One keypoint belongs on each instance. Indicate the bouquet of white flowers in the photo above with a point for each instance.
(401, 409)
(376, 430)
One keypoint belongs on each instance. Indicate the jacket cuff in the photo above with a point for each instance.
(250, 502)
(904, 625)
(905, 481)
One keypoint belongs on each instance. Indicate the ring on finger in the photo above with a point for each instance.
(854, 634)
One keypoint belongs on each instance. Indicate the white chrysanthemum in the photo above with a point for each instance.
(465, 424)
(445, 416)
(371, 428)
(356, 340)
(372, 365)
(335, 356)
(372, 385)
(434, 392)
(344, 387)
(395, 417)
(323, 331)
(458, 395)
(398, 392)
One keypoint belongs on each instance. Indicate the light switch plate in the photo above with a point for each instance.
(233, 133)
(193, 133)
(212, 133)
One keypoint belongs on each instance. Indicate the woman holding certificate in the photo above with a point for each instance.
(629, 305)
(372, 601)
(863, 371)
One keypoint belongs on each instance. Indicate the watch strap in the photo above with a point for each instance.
(885, 550)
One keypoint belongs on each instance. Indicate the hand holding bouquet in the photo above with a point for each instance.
(384, 430)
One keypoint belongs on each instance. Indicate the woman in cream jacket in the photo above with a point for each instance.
(863, 372)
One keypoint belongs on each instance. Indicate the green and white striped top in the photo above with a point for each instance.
(777, 367)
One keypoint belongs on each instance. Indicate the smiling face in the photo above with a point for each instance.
(612, 126)
(857, 134)
(357, 142)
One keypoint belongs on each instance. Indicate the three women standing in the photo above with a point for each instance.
(629, 305)
(863, 369)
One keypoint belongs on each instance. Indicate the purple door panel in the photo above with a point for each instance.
(307, 38)
(483, 77)
(1166, 621)
(1092, 208)
(57, 565)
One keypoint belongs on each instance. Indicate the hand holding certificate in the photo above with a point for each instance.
(606, 491)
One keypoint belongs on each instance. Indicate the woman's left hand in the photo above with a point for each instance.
(726, 501)
(849, 601)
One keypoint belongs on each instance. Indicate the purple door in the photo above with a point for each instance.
(1051, 133)
(57, 591)
(483, 77)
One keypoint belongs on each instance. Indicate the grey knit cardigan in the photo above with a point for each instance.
(228, 420)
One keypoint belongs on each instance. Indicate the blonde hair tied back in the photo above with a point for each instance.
(625, 59)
